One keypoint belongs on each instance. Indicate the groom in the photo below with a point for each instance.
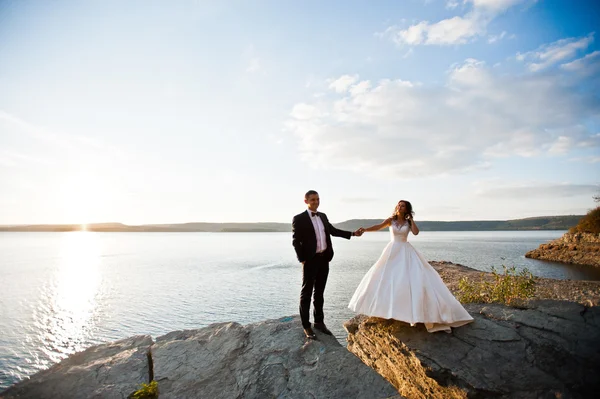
(311, 238)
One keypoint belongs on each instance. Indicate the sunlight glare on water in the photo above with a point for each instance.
(63, 318)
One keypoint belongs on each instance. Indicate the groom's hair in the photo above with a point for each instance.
(309, 193)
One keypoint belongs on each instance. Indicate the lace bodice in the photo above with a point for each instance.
(399, 231)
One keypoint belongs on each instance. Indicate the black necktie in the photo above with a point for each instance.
(314, 214)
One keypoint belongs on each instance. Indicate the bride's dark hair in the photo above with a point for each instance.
(409, 210)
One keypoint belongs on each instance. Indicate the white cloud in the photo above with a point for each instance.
(495, 38)
(561, 146)
(451, 4)
(588, 159)
(343, 83)
(590, 141)
(304, 111)
(533, 189)
(574, 137)
(493, 5)
(589, 64)
(455, 30)
(553, 53)
(360, 87)
(398, 128)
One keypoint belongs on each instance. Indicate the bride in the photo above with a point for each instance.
(401, 285)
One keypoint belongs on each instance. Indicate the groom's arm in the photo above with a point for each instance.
(297, 241)
(339, 233)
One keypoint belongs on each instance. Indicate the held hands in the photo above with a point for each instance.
(359, 232)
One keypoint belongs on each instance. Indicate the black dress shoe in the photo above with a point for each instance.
(310, 334)
(321, 327)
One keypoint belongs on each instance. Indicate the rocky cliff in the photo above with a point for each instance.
(549, 349)
(227, 360)
(578, 248)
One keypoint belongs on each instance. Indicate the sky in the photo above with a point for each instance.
(146, 112)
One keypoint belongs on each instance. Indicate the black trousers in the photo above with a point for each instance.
(314, 277)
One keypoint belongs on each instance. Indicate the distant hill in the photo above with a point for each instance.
(533, 223)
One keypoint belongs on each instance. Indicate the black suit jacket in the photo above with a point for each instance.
(304, 238)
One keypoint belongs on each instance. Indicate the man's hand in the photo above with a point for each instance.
(359, 232)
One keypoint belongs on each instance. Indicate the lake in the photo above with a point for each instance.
(62, 292)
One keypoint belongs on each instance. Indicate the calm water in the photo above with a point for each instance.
(62, 292)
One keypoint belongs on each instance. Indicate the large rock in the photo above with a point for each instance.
(270, 359)
(577, 248)
(107, 371)
(265, 360)
(550, 349)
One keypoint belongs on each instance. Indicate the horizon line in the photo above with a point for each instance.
(347, 220)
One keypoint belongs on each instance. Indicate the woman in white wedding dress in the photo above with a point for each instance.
(403, 286)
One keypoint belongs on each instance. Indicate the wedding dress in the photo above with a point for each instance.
(403, 286)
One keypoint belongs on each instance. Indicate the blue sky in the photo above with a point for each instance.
(166, 112)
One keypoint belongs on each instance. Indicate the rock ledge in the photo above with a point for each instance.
(270, 359)
(549, 349)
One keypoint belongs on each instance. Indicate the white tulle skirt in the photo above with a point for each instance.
(403, 286)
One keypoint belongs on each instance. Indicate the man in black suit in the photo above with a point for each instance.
(311, 238)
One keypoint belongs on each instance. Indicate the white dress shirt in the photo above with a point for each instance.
(319, 231)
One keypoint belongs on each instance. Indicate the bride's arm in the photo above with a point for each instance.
(413, 226)
(379, 226)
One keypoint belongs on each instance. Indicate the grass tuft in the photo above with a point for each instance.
(509, 288)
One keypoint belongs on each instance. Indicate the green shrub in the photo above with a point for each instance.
(507, 288)
(590, 223)
(147, 391)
